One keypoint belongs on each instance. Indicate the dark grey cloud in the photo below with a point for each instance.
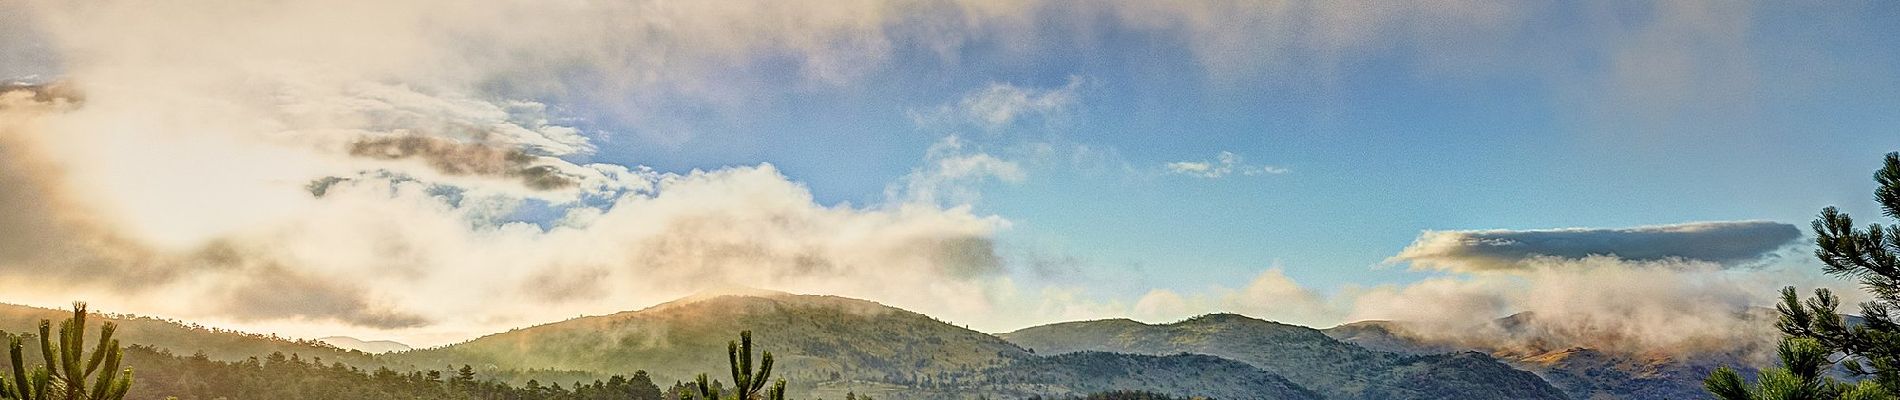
(42, 92)
(1728, 243)
(453, 157)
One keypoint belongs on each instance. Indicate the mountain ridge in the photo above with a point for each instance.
(366, 346)
(1304, 355)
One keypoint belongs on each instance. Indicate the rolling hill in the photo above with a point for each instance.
(1303, 355)
(827, 345)
(812, 338)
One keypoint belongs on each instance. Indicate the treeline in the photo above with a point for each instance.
(164, 375)
(1121, 395)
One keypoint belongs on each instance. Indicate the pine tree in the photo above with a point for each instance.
(1815, 327)
(747, 384)
(465, 376)
(67, 369)
(1804, 361)
(643, 387)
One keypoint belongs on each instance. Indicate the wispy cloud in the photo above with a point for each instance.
(950, 175)
(1224, 164)
(1002, 105)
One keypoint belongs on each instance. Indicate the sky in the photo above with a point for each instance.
(429, 171)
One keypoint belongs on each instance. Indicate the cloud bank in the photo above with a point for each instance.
(1548, 290)
(1599, 302)
(1726, 243)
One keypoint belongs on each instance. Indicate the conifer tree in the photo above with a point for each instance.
(747, 384)
(67, 373)
(465, 376)
(1815, 327)
(643, 387)
(1804, 361)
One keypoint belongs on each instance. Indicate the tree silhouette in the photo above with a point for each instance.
(1815, 328)
(1804, 361)
(67, 369)
(747, 384)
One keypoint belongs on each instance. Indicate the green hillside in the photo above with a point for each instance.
(815, 338)
(1183, 375)
(828, 346)
(186, 339)
(1303, 355)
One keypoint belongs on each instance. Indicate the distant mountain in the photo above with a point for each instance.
(1305, 356)
(1182, 375)
(185, 339)
(828, 345)
(372, 347)
(1391, 337)
(1582, 373)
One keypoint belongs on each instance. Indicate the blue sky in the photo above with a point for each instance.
(1773, 113)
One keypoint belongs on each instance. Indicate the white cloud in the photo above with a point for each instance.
(1270, 295)
(951, 174)
(1002, 105)
(1224, 164)
(1600, 302)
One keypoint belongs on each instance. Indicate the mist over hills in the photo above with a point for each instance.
(827, 346)
(1304, 355)
(1581, 372)
(366, 346)
(186, 339)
